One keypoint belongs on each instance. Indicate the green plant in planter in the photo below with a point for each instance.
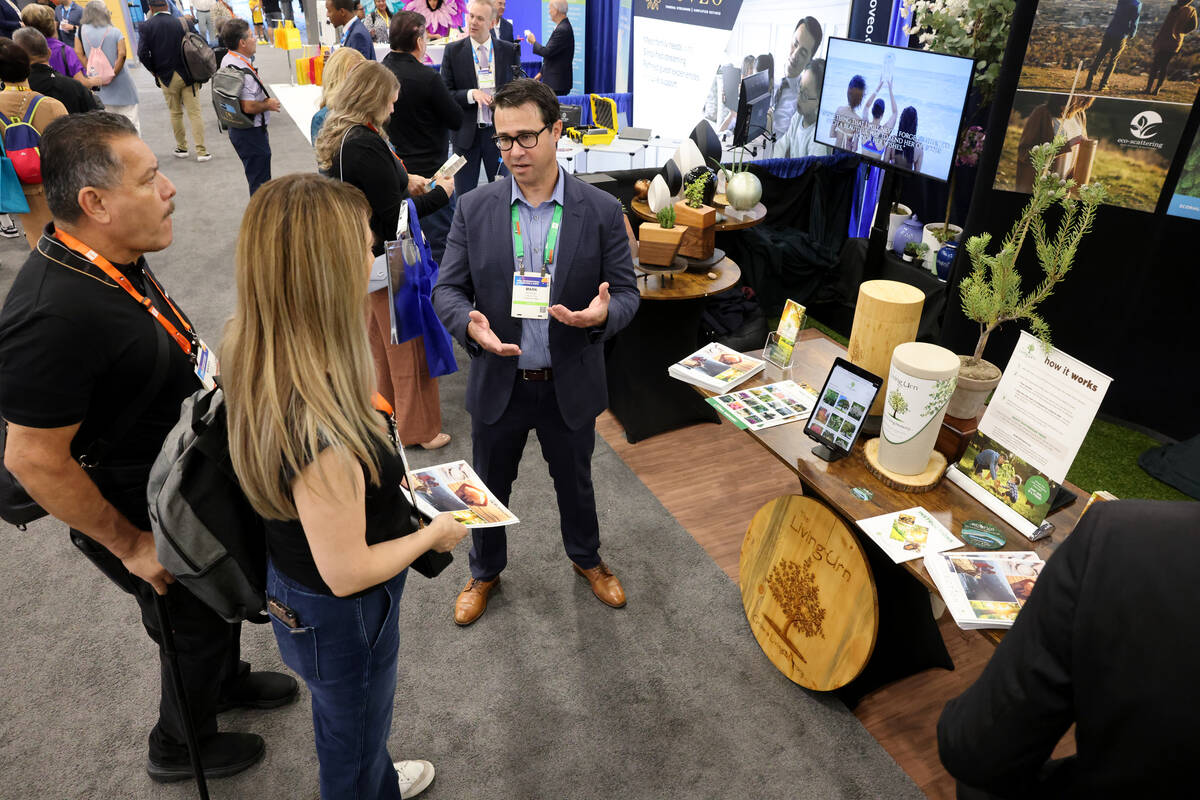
(666, 217)
(916, 250)
(693, 193)
(991, 294)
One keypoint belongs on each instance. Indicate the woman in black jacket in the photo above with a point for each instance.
(353, 147)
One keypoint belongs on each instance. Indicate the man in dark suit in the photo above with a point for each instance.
(1103, 642)
(537, 357)
(159, 51)
(559, 50)
(473, 69)
(423, 116)
(503, 28)
(341, 14)
(77, 98)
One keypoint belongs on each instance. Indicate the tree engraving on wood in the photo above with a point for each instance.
(793, 587)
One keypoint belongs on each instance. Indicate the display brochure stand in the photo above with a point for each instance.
(773, 355)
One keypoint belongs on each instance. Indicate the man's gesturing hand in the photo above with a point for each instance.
(481, 331)
(591, 317)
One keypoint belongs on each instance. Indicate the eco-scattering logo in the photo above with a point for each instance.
(652, 5)
(1146, 124)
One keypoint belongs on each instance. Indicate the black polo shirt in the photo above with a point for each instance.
(75, 347)
(71, 93)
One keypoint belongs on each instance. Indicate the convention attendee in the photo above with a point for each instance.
(160, 52)
(800, 140)
(60, 395)
(424, 115)
(559, 50)
(354, 33)
(1096, 645)
(253, 145)
(272, 16)
(1046, 121)
(74, 96)
(545, 375)
(473, 68)
(352, 148)
(876, 132)
(906, 151)
(441, 16)
(118, 95)
(222, 12)
(503, 29)
(10, 17)
(846, 123)
(16, 100)
(256, 16)
(337, 66)
(340, 530)
(1121, 28)
(378, 22)
(67, 13)
(1180, 21)
(806, 40)
(62, 58)
(202, 12)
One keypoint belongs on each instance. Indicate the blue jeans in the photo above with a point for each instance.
(346, 651)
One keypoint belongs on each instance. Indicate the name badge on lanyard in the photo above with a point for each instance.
(531, 291)
(487, 79)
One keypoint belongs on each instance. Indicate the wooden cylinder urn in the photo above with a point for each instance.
(920, 381)
(657, 245)
(887, 314)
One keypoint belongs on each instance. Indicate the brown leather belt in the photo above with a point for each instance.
(546, 374)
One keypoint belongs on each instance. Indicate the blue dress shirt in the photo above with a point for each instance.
(535, 224)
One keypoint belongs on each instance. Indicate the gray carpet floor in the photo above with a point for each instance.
(549, 695)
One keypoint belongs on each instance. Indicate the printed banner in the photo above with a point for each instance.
(1186, 200)
(1136, 86)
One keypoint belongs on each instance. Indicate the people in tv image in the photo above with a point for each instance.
(1122, 27)
(800, 139)
(806, 39)
(1045, 122)
(1180, 21)
(876, 132)
(846, 121)
(904, 150)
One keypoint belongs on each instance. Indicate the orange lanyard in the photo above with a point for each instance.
(103, 263)
(243, 58)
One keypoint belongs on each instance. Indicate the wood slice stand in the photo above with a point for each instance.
(808, 593)
(913, 484)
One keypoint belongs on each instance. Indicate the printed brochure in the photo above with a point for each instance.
(454, 487)
(905, 535)
(715, 367)
(984, 590)
(766, 406)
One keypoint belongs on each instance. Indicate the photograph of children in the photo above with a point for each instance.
(455, 488)
(831, 396)
(1134, 66)
(843, 403)
(823, 414)
(857, 410)
(1004, 476)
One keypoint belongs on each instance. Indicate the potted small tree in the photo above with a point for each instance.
(991, 294)
(700, 238)
(659, 241)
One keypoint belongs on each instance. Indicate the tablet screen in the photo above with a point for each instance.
(842, 407)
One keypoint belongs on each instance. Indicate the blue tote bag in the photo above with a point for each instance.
(413, 297)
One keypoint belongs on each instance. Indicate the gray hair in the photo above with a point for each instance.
(76, 153)
(32, 41)
(96, 13)
(559, 5)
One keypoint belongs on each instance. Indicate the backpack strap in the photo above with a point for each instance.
(32, 109)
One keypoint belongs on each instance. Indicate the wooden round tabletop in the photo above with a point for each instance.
(689, 285)
(642, 210)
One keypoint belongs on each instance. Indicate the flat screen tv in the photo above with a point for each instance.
(754, 97)
(895, 106)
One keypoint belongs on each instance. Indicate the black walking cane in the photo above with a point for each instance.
(185, 708)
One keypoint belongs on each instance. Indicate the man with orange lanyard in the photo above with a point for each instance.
(251, 144)
(95, 360)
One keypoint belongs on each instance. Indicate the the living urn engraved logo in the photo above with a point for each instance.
(795, 591)
(1146, 124)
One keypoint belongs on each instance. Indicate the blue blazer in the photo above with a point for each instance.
(477, 272)
(358, 37)
(458, 73)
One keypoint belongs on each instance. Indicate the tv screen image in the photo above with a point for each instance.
(895, 106)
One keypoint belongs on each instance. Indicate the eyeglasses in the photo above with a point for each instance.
(527, 139)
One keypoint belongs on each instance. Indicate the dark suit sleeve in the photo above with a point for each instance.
(448, 112)
(1000, 733)
(454, 295)
(617, 269)
(555, 46)
(368, 165)
(458, 85)
(144, 54)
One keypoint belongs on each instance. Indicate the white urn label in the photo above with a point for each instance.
(911, 403)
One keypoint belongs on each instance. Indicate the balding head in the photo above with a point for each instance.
(33, 42)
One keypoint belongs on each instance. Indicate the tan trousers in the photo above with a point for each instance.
(402, 376)
(179, 96)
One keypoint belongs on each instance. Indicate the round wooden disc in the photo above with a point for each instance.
(913, 484)
(808, 593)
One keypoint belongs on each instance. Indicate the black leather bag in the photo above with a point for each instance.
(16, 506)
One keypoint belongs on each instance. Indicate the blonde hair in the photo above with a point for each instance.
(337, 66)
(295, 362)
(364, 97)
(40, 18)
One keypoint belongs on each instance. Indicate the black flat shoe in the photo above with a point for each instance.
(222, 755)
(261, 690)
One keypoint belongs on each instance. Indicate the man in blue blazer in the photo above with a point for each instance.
(559, 50)
(341, 14)
(528, 373)
(503, 28)
(474, 68)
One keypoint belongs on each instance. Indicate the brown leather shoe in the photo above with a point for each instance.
(472, 600)
(605, 585)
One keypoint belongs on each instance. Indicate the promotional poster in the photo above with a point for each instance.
(1186, 200)
(1133, 63)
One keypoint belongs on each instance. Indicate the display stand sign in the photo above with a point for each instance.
(1029, 434)
(781, 342)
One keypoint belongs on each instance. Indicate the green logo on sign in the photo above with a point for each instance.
(1037, 490)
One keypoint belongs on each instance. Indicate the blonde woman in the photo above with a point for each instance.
(352, 147)
(316, 460)
(337, 66)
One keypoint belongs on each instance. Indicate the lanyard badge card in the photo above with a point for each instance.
(531, 290)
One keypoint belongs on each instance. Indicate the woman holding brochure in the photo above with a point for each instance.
(317, 462)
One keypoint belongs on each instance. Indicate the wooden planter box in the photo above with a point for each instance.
(657, 245)
(702, 217)
(701, 236)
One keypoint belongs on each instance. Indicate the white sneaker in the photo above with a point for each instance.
(415, 777)
(205, 157)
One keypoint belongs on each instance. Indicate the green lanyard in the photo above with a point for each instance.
(551, 238)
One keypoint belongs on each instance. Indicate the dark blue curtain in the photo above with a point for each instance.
(599, 63)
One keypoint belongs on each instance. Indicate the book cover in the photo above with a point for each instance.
(455, 488)
(905, 535)
(766, 406)
(984, 590)
(715, 367)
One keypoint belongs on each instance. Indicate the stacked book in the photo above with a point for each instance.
(715, 367)
(984, 590)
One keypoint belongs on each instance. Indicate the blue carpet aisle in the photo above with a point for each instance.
(549, 695)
